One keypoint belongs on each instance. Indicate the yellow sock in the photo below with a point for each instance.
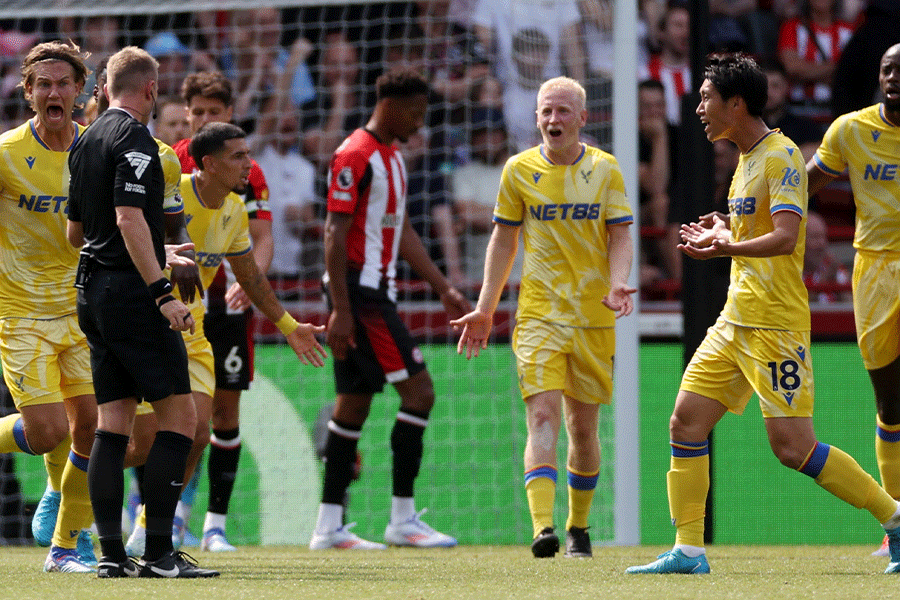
(540, 488)
(75, 511)
(887, 450)
(581, 494)
(837, 472)
(55, 462)
(12, 435)
(688, 484)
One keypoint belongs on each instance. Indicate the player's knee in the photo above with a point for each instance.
(201, 435)
(679, 429)
(83, 429)
(44, 436)
(789, 455)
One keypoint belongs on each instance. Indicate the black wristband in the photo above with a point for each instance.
(164, 299)
(160, 288)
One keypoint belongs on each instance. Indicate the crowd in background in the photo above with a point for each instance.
(304, 81)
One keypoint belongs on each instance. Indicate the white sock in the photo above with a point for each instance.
(894, 521)
(214, 521)
(402, 509)
(690, 551)
(183, 512)
(331, 517)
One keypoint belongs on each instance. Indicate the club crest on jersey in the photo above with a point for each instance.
(30, 160)
(139, 161)
(345, 178)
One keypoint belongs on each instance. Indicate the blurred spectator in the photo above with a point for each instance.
(429, 205)
(671, 65)
(597, 23)
(454, 59)
(777, 114)
(530, 42)
(659, 259)
(820, 267)
(789, 9)
(170, 124)
(856, 77)
(597, 28)
(650, 13)
(475, 188)
(252, 56)
(291, 178)
(725, 30)
(809, 47)
(14, 45)
(173, 58)
(339, 106)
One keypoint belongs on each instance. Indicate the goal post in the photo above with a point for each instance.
(472, 476)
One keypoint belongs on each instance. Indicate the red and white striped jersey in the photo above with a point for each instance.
(675, 79)
(797, 35)
(367, 179)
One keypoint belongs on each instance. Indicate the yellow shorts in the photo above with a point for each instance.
(45, 361)
(200, 362)
(578, 361)
(876, 306)
(732, 362)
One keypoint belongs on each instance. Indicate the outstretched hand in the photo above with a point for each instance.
(619, 300)
(305, 345)
(476, 329)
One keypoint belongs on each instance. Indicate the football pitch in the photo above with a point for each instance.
(475, 572)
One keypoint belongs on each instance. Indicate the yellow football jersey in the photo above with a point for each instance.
(564, 211)
(867, 143)
(37, 262)
(768, 293)
(172, 175)
(217, 233)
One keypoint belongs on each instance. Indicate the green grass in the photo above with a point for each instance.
(475, 572)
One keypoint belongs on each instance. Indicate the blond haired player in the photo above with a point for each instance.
(569, 200)
(46, 362)
(865, 143)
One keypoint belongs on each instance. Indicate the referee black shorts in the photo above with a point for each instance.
(134, 353)
(385, 351)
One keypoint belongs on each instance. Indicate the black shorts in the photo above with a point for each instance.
(385, 351)
(232, 344)
(134, 353)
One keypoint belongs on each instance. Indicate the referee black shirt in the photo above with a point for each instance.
(115, 162)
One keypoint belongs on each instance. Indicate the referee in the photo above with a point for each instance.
(131, 320)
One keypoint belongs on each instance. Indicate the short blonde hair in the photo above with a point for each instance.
(129, 69)
(564, 83)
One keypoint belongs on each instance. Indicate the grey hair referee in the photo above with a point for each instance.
(132, 321)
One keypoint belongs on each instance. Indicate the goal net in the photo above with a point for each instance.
(303, 76)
